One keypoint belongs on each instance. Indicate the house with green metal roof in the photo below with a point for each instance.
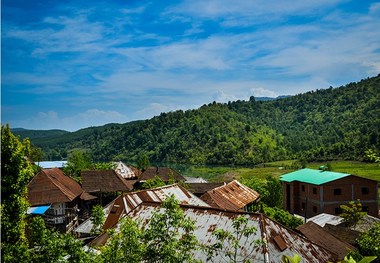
(309, 192)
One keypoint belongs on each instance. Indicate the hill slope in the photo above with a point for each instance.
(318, 125)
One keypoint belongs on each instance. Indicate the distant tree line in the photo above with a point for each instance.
(333, 123)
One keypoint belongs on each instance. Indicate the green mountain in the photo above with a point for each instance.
(318, 125)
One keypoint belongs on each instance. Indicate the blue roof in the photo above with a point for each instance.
(38, 210)
(311, 176)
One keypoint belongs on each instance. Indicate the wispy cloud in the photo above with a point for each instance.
(139, 59)
(52, 120)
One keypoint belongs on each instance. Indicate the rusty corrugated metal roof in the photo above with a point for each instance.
(202, 188)
(52, 186)
(232, 196)
(323, 238)
(127, 202)
(278, 240)
(103, 181)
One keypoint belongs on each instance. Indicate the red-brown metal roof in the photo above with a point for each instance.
(232, 196)
(323, 238)
(103, 181)
(52, 186)
(126, 203)
(278, 240)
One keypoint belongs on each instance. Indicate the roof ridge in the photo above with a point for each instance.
(61, 186)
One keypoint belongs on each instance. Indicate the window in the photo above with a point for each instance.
(338, 210)
(337, 191)
(303, 188)
(314, 190)
(365, 190)
(315, 209)
(303, 205)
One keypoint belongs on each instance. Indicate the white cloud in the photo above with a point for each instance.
(221, 96)
(261, 92)
(155, 109)
(248, 12)
(52, 120)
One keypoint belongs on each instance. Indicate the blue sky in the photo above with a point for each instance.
(74, 64)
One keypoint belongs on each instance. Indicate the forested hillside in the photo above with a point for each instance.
(318, 125)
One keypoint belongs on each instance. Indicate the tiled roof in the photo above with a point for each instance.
(232, 196)
(312, 176)
(323, 238)
(278, 240)
(164, 173)
(52, 186)
(103, 181)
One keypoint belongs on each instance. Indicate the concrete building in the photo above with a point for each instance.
(309, 192)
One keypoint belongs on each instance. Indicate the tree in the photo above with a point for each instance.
(230, 252)
(78, 162)
(372, 156)
(97, 219)
(369, 242)
(352, 213)
(143, 161)
(168, 237)
(36, 154)
(153, 183)
(16, 172)
(126, 245)
(50, 246)
(274, 188)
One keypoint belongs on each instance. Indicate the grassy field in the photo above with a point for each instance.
(367, 170)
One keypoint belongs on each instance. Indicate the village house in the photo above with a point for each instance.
(59, 199)
(233, 196)
(277, 240)
(127, 171)
(325, 239)
(309, 192)
(125, 203)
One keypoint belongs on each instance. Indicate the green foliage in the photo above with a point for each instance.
(270, 190)
(36, 154)
(352, 260)
(51, 246)
(369, 242)
(282, 216)
(78, 161)
(104, 166)
(153, 183)
(126, 245)
(352, 213)
(372, 155)
(16, 173)
(97, 219)
(228, 244)
(317, 125)
(288, 259)
(167, 238)
(142, 161)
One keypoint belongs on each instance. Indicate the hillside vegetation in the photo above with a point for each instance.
(333, 123)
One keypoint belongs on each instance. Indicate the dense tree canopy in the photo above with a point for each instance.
(318, 125)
